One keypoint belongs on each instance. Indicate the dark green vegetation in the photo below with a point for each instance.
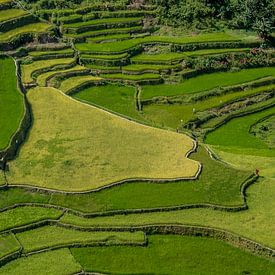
(11, 102)
(210, 75)
(187, 255)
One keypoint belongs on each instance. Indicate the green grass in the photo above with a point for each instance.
(73, 82)
(109, 37)
(116, 98)
(29, 69)
(102, 21)
(176, 56)
(173, 255)
(27, 29)
(110, 31)
(212, 187)
(60, 155)
(26, 215)
(107, 57)
(8, 245)
(206, 82)
(122, 46)
(53, 262)
(11, 102)
(2, 178)
(173, 116)
(141, 77)
(235, 136)
(11, 14)
(53, 236)
(50, 52)
(152, 67)
(41, 79)
(256, 223)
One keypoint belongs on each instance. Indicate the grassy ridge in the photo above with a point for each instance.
(11, 14)
(183, 255)
(175, 56)
(60, 155)
(174, 115)
(121, 46)
(206, 82)
(51, 236)
(11, 102)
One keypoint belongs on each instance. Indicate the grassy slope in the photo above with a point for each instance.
(117, 98)
(31, 28)
(211, 187)
(59, 262)
(11, 13)
(174, 115)
(8, 245)
(60, 155)
(173, 255)
(255, 223)
(11, 102)
(51, 236)
(234, 136)
(206, 82)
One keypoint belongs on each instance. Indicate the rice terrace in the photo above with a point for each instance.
(137, 137)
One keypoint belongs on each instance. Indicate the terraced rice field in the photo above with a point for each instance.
(125, 151)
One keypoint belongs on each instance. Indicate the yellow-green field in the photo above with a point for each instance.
(76, 147)
(27, 29)
(29, 69)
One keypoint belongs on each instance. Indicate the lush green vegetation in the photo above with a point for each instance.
(252, 223)
(52, 262)
(206, 82)
(236, 136)
(87, 142)
(11, 102)
(51, 159)
(176, 56)
(116, 98)
(175, 115)
(125, 45)
(214, 257)
(139, 77)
